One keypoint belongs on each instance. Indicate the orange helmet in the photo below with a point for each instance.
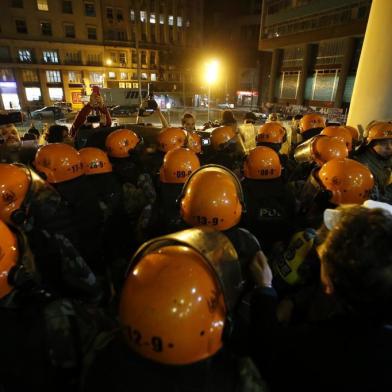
(173, 307)
(349, 181)
(262, 163)
(272, 132)
(221, 135)
(353, 131)
(95, 161)
(340, 133)
(178, 165)
(326, 148)
(311, 121)
(194, 142)
(58, 162)
(121, 142)
(14, 186)
(8, 257)
(212, 196)
(379, 131)
(170, 138)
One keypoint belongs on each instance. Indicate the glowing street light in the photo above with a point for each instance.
(211, 76)
(109, 62)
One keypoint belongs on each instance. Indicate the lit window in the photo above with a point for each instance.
(25, 55)
(53, 76)
(42, 5)
(144, 76)
(123, 75)
(171, 20)
(161, 19)
(122, 58)
(128, 85)
(29, 75)
(33, 94)
(121, 84)
(153, 77)
(112, 75)
(179, 21)
(96, 78)
(56, 94)
(135, 85)
(143, 16)
(75, 77)
(132, 15)
(152, 18)
(50, 57)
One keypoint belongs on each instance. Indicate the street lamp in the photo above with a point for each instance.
(210, 77)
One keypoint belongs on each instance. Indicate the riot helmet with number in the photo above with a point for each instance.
(262, 163)
(272, 132)
(212, 196)
(310, 122)
(58, 162)
(178, 165)
(95, 161)
(170, 138)
(179, 295)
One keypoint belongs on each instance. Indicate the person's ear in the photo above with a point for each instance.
(325, 279)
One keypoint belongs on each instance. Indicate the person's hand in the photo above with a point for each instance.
(260, 270)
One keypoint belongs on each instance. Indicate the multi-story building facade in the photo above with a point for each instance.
(56, 50)
(312, 49)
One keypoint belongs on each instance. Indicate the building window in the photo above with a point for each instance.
(109, 13)
(161, 19)
(75, 77)
(89, 9)
(4, 54)
(143, 57)
(21, 26)
(153, 77)
(171, 20)
(7, 75)
(120, 16)
(46, 28)
(111, 75)
(42, 5)
(25, 56)
(123, 75)
(96, 78)
(67, 7)
(73, 58)
(56, 94)
(50, 57)
(143, 16)
(17, 4)
(152, 58)
(91, 32)
(122, 58)
(94, 59)
(29, 75)
(152, 18)
(144, 76)
(33, 94)
(69, 30)
(121, 36)
(132, 15)
(134, 57)
(179, 21)
(53, 76)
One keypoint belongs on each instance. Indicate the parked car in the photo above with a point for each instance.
(123, 110)
(47, 112)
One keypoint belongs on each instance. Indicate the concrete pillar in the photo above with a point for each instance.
(66, 89)
(276, 56)
(21, 90)
(44, 88)
(349, 46)
(304, 74)
(372, 95)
